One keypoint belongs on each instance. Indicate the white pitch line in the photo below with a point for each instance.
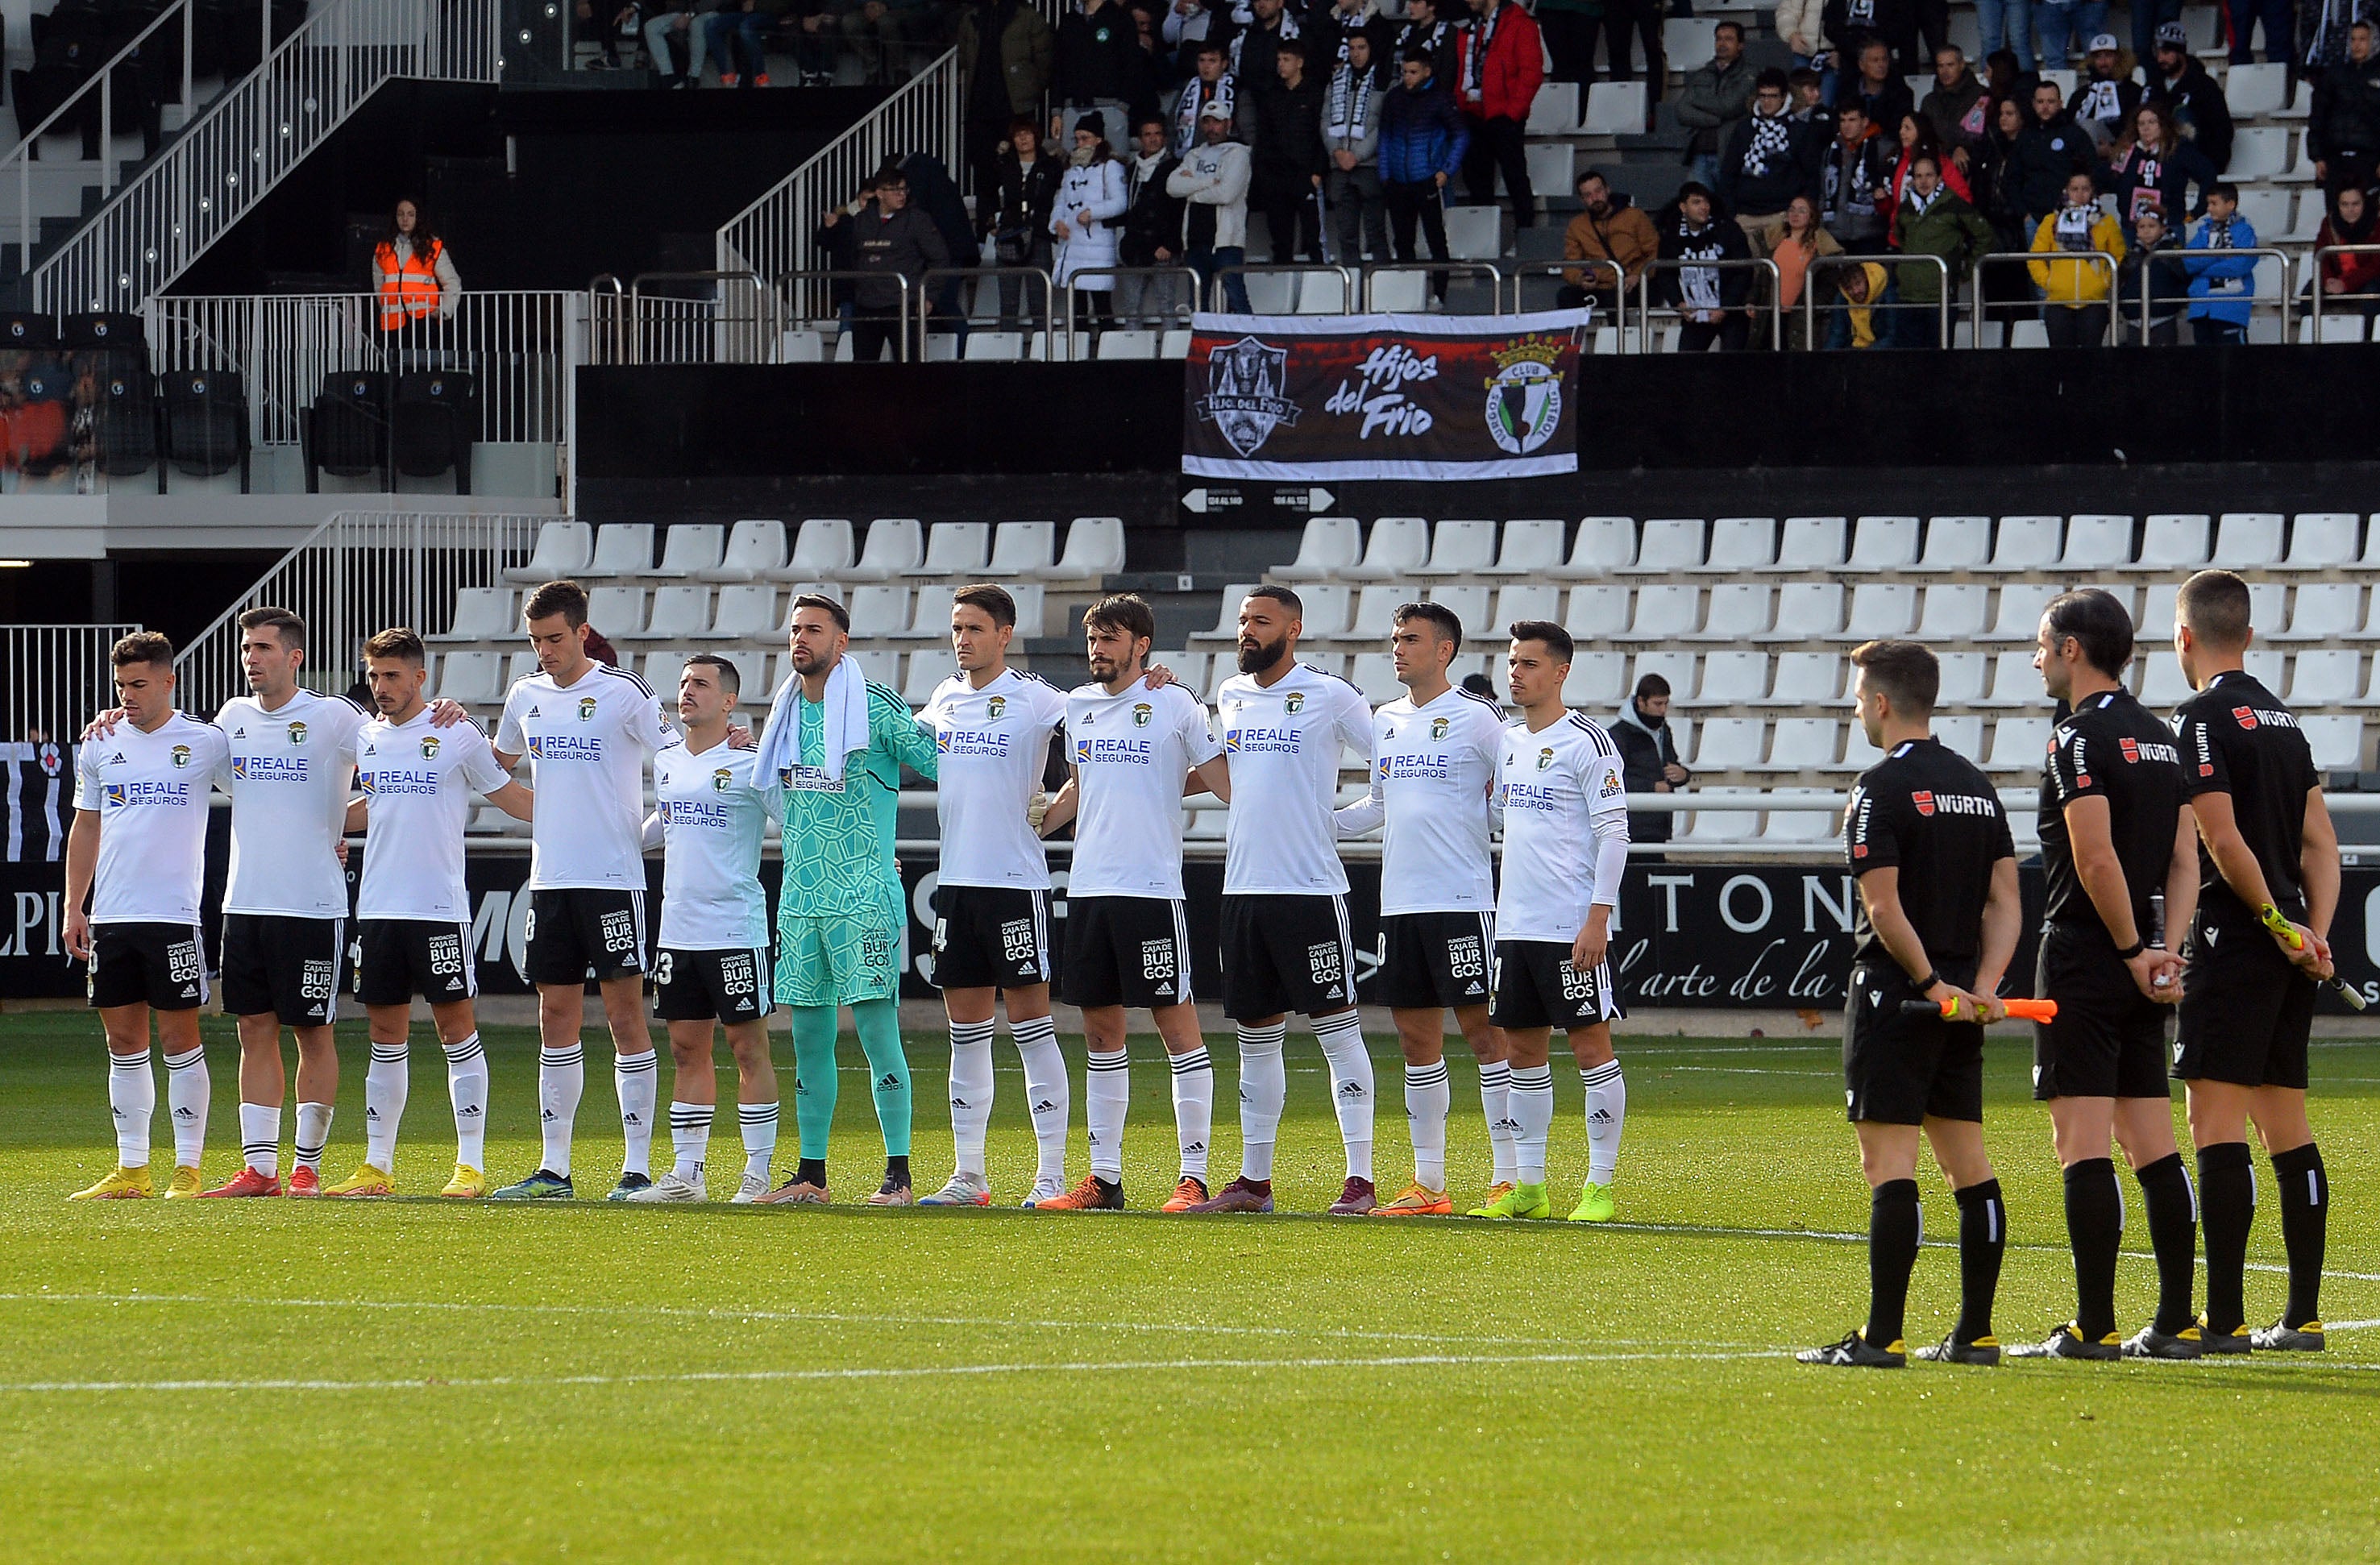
(1743, 1071)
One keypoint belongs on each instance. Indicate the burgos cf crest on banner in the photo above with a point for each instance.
(1525, 396)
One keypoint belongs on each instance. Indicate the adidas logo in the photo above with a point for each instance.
(1194, 1149)
(1045, 1107)
(190, 991)
(958, 1102)
(186, 1113)
(372, 1114)
(1163, 988)
(1095, 1138)
(1600, 1117)
(888, 1082)
(632, 1118)
(1474, 988)
(1333, 993)
(1244, 1095)
(545, 1115)
(467, 1111)
(1351, 1089)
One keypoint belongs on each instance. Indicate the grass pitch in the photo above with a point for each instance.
(412, 1379)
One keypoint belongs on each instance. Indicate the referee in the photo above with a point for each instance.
(1939, 916)
(2247, 997)
(2110, 814)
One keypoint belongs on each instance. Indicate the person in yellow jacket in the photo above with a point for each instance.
(2074, 293)
(412, 276)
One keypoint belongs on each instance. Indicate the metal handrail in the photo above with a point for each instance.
(104, 80)
(1215, 299)
(1841, 262)
(635, 297)
(2314, 262)
(2287, 264)
(1431, 269)
(2001, 258)
(924, 295)
(1564, 268)
(1756, 264)
(1191, 299)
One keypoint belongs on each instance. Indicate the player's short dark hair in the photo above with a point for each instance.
(2214, 605)
(1650, 686)
(1450, 627)
(835, 611)
(1286, 596)
(2094, 618)
(1909, 674)
(1556, 639)
(397, 641)
(282, 622)
(565, 598)
(2225, 188)
(992, 599)
(731, 678)
(1127, 612)
(143, 646)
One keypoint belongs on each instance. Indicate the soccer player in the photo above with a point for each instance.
(992, 727)
(1939, 917)
(139, 841)
(1133, 753)
(1565, 847)
(291, 770)
(715, 811)
(835, 745)
(2269, 851)
(589, 726)
(2110, 806)
(1286, 941)
(1434, 757)
(413, 915)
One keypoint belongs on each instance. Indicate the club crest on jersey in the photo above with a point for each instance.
(1924, 801)
(1294, 702)
(1438, 727)
(2244, 716)
(1545, 759)
(721, 779)
(994, 707)
(181, 755)
(296, 733)
(586, 709)
(1144, 712)
(429, 746)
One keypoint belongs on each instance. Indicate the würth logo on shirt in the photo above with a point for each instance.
(1924, 801)
(2244, 716)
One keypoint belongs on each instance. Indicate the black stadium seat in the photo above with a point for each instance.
(437, 421)
(205, 419)
(123, 423)
(345, 432)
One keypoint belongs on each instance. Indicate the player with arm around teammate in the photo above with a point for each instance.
(2267, 890)
(1565, 847)
(1939, 916)
(413, 911)
(1435, 753)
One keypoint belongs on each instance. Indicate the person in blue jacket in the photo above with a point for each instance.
(2221, 289)
(1422, 143)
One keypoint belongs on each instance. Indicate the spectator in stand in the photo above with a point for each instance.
(1957, 107)
(2280, 20)
(1768, 161)
(1498, 68)
(1422, 143)
(1804, 243)
(2052, 150)
(1085, 220)
(2152, 277)
(1006, 54)
(935, 194)
(1355, 18)
(2058, 24)
(1284, 127)
(2352, 281)
(413, 276)
(1716, 95)
(1152, 230)
(1811, 109)
(2005, 76)
(1648, 757)
(1932, 218)
(1270, 29)
(1188, 24)
(2328, 31)
(1099, 66)
(880, 34)
(1153, 74)
(1854, 183)
(737, 37)
(676, 37)
(1802, 25)
(1917, 141)
(2106, 95)
(1865, 318)
(1877, 87)
(2343, 136)
(1644, 16)
(600, 649)
(1571, 27)
(1210, 83)
(2006, 26)
(2180, 85)
(1607, 228)
(2222, 287)
(1351, 137)
(890, 239)
(1212, 184)
(1019, 220)
(1438, 38)
(1999, 200)
(2157, 171)
(1853, 24)
(1715, 301)
(2074, 293)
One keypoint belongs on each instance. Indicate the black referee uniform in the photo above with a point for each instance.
(2246, 1009)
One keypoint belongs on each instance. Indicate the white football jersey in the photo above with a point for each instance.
(993, 744)
(1561, 790)
(1131, 754)
(418, 780)
(1285, 741)
(714, 816)
(290, 775)
(150, 793)
(1433, 773)
(589, 741)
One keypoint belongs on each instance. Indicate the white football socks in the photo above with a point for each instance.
(1495, 1089)
(637, 1079)
(387, 1082)
(189, 1093)
(971, 1092)
(560, 1077)
(1264, 1084)
(1606, 1115)
(1341, 1037)
(1426, 1098)
(1532, 1103)
(313, 1134)
(758, 1122)
(690, 1136)
(1045, 1090)
(1194, 1110)
(466, 1088)
(1107, 1097)
(132, 1103)
(260, 1138)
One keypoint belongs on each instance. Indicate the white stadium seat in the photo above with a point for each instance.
(1962, 735)
(623, 548)
(1474, 232)
(1737, 609)
(1459, 549)
(1800, 825)
(2322, 539)
(690, 549)
(2162, 684)
(894, 546)
(1806, 679)
(2329, 677)
(1741, 543)
(1529, 548)
(954, 548)
(1598, 681)
(822, 553)
(1615, 108)
(616, 611)
(1880, 610)
(754, 549)
(1676, 667)
(1732, 679)
(2015, 682)
(2017, 616)
(1952, 611)
(1532, 602)
(1330, 545)
(2172, 542)
(1720, 825)
(676, 612)
(2096, 544)
(1804, 744)
(2019, 744)
(1811, 543)
(747, 611)
(1961, 680)
(1604, 544)
(930, 614)
(1595, 612)
(563, 549)
(2027, 544)
(1883, 543)
(481, 614)
(1325, 608)
(1664, 613)
(1469, 605)
(1375, 673)
(2252, 91)
(1094, 549)
(1554, 111)
(1729, 742)
(2244, 539)
(476, 679)
(2323, 611)
(879, 611)
(1021, 548)
(1806, 611)
(2338, 742)
(1396, 546)
(1669, 544)
(1956, 543)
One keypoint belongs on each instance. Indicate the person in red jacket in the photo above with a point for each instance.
(1498, 71)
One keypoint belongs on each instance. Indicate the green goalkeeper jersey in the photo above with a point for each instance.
(838, 832)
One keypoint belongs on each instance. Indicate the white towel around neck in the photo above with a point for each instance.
(847, 721)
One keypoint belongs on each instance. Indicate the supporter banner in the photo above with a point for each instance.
(1381, 397)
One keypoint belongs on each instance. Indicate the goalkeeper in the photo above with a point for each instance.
(835, 747)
